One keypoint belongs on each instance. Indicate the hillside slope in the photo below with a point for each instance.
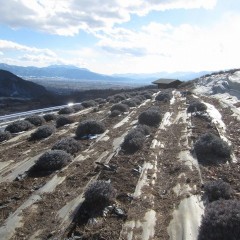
(159, 187)
(14, 86)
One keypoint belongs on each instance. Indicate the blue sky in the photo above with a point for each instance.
(122, 36)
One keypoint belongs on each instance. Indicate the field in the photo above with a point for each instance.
(159, 188)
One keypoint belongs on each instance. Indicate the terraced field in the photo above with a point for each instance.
(159, 187)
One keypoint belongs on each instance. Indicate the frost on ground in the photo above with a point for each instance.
(222, 83)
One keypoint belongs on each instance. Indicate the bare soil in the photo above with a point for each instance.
(46, 219)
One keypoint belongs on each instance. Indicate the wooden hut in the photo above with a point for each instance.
(164, 83)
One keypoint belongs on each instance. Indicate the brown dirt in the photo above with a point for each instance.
(43, 214)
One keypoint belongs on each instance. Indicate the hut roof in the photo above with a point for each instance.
(165, 81)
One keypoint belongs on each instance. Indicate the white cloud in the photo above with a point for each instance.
(18, 54)
(67, 18)
(163, 47)
(9, 45)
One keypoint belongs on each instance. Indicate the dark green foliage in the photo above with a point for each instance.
(4, 136)
(49, 117)
(129, 103)
(150, 117)
(215, 190)
(77, 107)
(209, 145)
(42, 132)
(69, 145)
(35, 120)
(133, 141)
(89, 103)
(164, 96)
(120, 107)
(221, 221)
(63, 120)
(52, 160)
(196, 106)
(66, 110)
(19, 126)
(100, 193)
(89, 127)
(115, 113)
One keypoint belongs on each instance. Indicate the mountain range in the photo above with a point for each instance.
(73, 72)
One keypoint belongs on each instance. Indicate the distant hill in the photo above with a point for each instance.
(14, 86)
(58, 71)
(183, 76)
(72, 72)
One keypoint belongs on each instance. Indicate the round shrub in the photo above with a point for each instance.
(49, 117)
(100, 193)
(163, 97)
(137, 101)
(196, 106)
(119, 97)
(209, 145)
(63, 120)
(42, 132)
(143, 129)
(150, 117)
(133, 141)
(120, 107)
(141, 98)
(89, 103)
(19, 126)
(78, 107)
(89, 127)
(66, 110)
(133, 94)
(100, 100)
(221, 221)
(69, 145)
(35, 120)
(4, 136)
(115, 113)
(148, 96)
(52, 160)
(110, 99)
(129, 103)
(218, 189)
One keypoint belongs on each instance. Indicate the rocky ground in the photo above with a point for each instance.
(159, 188)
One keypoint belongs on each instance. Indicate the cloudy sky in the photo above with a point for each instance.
(122, 36)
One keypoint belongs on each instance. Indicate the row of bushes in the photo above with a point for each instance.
(134, 140)
(58, 157)
(60, 154)
(101, 193)
(134, 99)
(131, 96)
(221, 218)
